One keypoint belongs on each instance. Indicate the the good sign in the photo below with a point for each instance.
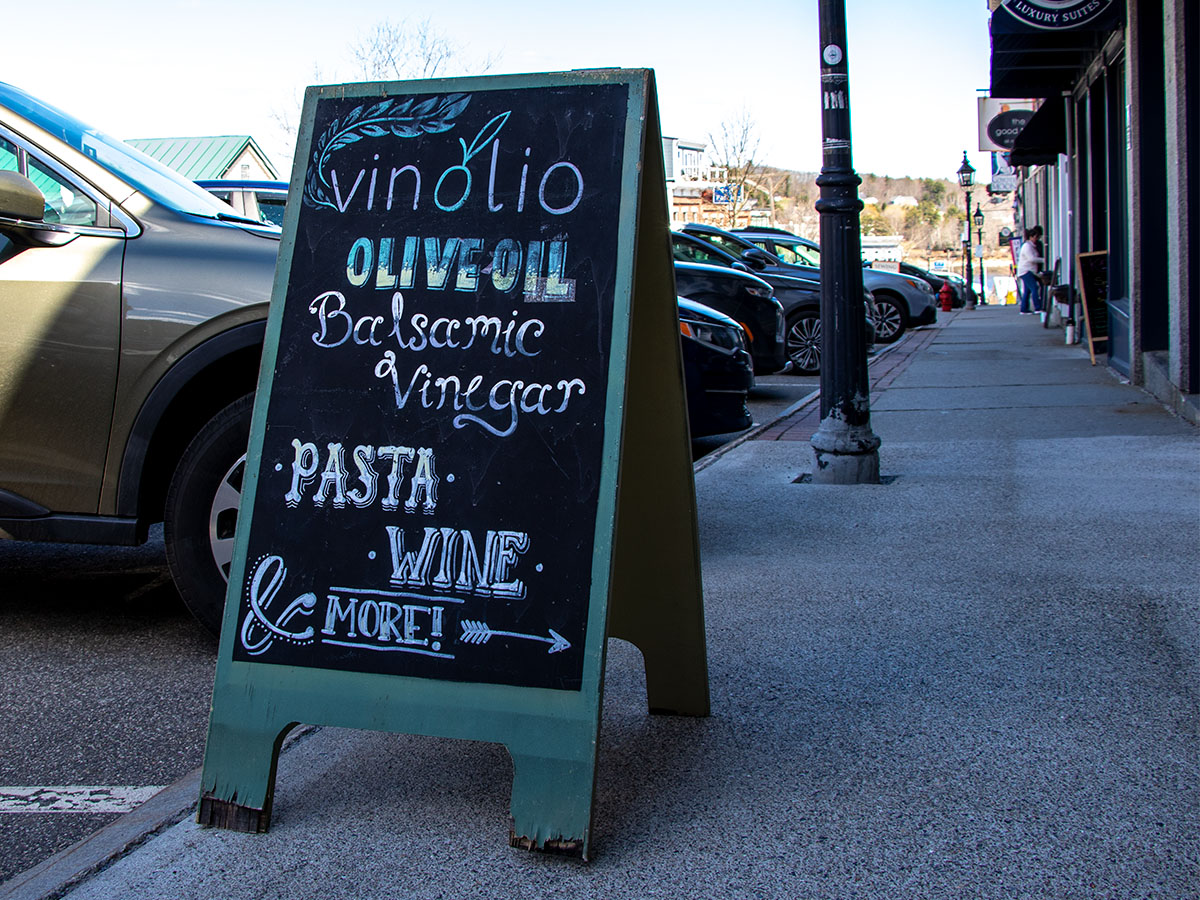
(448, 397)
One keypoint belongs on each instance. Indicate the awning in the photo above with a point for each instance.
(1039, 47)
(1043, 137)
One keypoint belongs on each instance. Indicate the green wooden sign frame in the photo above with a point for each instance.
(645, 582)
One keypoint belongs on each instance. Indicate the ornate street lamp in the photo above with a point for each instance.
(982, 273)
(966, 178)
(845, 449)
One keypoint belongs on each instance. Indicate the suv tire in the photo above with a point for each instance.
(890, 320)
(803, 342)
(202, 508)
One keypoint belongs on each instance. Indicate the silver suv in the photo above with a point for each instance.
(901, 301)
(132, 313)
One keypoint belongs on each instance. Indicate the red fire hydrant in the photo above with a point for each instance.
(946, 296)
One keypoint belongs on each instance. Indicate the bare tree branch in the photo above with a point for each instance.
(392, 51)
(400, 50)
(736, 151)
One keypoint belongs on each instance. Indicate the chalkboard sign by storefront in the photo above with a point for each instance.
(1092, 269)
(472, 344)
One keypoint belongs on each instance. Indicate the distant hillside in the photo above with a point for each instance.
(929, 213)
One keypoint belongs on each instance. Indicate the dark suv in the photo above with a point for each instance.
(901, 301)
(133, 306)
(747, 300)
(798, 291)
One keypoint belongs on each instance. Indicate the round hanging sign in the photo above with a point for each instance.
(1058, 14)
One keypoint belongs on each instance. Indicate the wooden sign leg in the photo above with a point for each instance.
(657, 596)
(238, 782)
(551, 803)
(658, 599)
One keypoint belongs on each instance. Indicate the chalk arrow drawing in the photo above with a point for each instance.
(479, 633)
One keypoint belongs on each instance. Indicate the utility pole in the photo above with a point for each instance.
(845, 448)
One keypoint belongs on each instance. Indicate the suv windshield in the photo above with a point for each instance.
(147, 175)
(728, 244)
(797, 254)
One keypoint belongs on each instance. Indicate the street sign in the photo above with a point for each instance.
(1004, 176)
(727, 193)
(464, 356)
(1000, 121)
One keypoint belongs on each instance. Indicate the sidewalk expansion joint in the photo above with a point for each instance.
(807, 478)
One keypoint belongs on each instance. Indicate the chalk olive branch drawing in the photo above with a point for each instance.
(404, 119)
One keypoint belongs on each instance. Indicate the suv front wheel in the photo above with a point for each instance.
(889, 318)
(202, 510)
(804, 342)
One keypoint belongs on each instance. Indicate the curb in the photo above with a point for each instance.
(53, 877)
(709, 458)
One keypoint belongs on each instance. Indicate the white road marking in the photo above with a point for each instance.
(76, 798)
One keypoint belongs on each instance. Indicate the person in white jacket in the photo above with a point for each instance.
(1029, 261)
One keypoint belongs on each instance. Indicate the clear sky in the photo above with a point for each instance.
(148, 68)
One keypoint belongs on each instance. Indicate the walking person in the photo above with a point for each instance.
(1029, 261)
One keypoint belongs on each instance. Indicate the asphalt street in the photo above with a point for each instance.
(105, 682)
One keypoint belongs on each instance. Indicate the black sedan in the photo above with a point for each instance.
(717, 370)
(747, 300)
(799, 295)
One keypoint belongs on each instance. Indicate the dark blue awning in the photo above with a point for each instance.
(1039, 47)
(1043, 137)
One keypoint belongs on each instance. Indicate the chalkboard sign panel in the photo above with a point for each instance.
(1092, 271)
(472, 341)
(431, 463)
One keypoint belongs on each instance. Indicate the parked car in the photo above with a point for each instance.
(798, 290)
(717, 369)
(261, 200)
(901, 301)
(134, 306)
(746, 299)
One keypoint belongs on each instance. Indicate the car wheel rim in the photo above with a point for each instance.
(887, 322)
(222, 517)
(804, 343)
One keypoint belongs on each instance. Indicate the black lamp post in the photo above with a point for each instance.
(966, 178)
(982, 273)
(845, 449)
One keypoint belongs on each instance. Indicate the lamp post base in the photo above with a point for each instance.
(845, 454)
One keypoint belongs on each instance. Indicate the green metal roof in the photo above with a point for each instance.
(198, 158)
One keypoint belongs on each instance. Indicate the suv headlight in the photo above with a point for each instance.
(723, 336)
(755, 290)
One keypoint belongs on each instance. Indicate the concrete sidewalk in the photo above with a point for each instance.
(976, 681)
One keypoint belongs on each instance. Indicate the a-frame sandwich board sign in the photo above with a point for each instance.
(469, 461)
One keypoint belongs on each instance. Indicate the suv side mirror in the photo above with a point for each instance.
(20, 198)
(756, 258)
